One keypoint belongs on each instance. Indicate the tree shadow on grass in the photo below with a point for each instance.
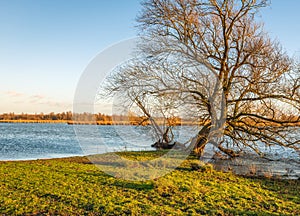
(108, 180)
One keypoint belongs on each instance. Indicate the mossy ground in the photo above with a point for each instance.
(73, 186)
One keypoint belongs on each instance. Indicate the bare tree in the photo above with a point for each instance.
(156, 108)
(212, 59)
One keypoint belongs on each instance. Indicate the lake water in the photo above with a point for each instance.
(39, 141)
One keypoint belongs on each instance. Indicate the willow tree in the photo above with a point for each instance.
(214, 59)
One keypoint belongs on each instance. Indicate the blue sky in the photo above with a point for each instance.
(45, 45)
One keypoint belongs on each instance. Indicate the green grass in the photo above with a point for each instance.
(73, 186)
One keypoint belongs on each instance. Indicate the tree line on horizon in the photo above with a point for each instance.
(69, 116)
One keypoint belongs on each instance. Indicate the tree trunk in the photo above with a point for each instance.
(200, 140)
(165, 141)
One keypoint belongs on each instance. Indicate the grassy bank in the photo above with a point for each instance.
(73, 186)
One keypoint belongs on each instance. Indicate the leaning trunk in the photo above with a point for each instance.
(200, 140)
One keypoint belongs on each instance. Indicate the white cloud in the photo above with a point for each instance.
(14, 94)
(13, 101)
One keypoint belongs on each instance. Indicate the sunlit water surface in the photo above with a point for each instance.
(41, 141)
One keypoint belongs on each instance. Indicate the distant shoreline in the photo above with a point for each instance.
(70, 122)
(120, 122)
(36, 121)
